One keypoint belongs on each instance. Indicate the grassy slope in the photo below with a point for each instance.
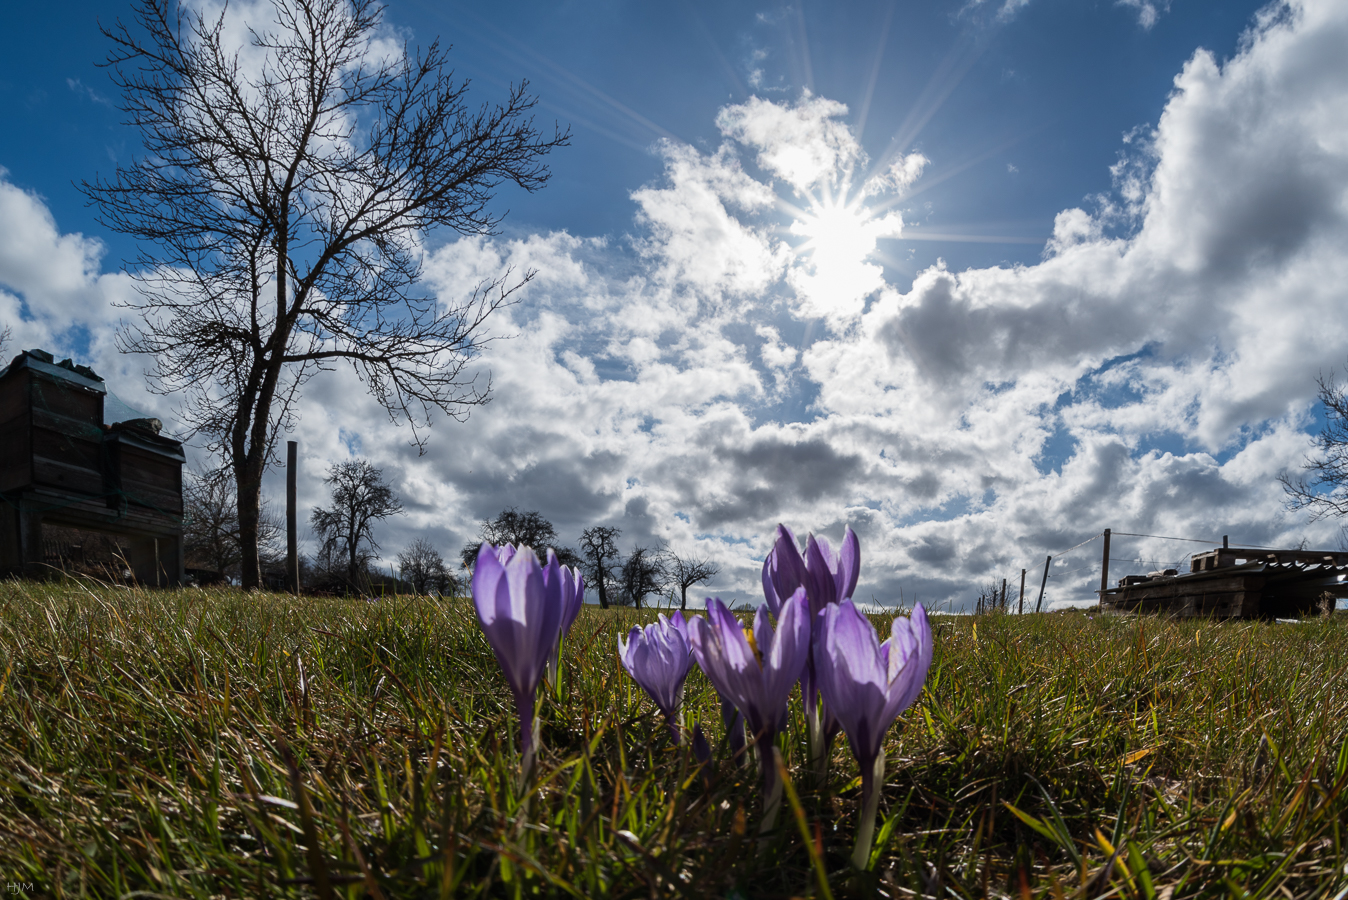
(206, 743)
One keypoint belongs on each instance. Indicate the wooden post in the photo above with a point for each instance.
(1104, 572)
(292, 540)
(1043, 584)
(1225, 544)
(1001, 604)
(1021, 611)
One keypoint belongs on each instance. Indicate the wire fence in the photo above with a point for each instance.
(1038, 597)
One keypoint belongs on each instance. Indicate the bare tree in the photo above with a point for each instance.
(991, 599)
(1325, 493)
(211, 527)
(360, 497)
(643, 574)
(286, 194)
(599, 546)
(423, 566)
(527, 529)
(688, 571)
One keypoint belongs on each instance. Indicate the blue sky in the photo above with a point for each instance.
(1047, 88)
(1091, 281)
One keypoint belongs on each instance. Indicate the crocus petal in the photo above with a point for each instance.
(572, 590)
(488, 575)
(759, 691)
(906, 684)
(678, 623)
(820, 565)
(722, 652)
(788, 649)
(855, 647)
(849, 564)
(783, 570)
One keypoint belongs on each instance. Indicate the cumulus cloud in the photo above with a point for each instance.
(1148, 11)
(739, 360)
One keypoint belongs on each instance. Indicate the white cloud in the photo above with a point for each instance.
(694, 237)
(807, 144)
(1148, 11)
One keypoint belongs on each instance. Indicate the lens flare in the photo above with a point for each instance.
(834, 272)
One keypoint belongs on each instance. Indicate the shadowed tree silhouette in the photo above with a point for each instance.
(688, 571)
(528, 529)
(211, 538)
(643, 573)
(286, 193)
(423, 566)
(360, 497)
(599, 549)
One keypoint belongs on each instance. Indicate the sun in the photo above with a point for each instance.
(837, 234)
(834, 268)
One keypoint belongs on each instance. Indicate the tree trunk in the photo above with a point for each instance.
(249, 480)
(351, 547)
(603, 594)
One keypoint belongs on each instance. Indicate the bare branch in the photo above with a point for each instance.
(1325, 491)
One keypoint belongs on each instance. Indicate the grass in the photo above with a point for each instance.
(212, 744)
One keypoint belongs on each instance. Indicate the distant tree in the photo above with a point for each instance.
(424, 568)
(1325, 492)
(992, 598)
(643, 574)
(599, 549)
(360, 497)
(684, 572)
(287, 191)
(528, 529)
(211, 536)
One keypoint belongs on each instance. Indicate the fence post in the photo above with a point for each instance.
(1021, 611)
(1104, 573)
(1043, 584)
(292, 540)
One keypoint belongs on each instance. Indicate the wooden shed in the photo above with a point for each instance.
(1238, 583)
(62, 465)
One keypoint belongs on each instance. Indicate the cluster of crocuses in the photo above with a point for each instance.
(809, 632)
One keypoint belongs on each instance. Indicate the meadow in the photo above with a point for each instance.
(208, 743)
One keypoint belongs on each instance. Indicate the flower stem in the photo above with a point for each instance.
(772, 785)
(529, 724)
(814, 731)
(872, 779)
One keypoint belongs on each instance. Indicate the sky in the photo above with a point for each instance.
(976, 279)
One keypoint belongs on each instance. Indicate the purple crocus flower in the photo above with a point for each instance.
(867, 684)
(520, 606)
(573, 598)
(573, 594)
(658, 658)
(756, 670)
(827, 578)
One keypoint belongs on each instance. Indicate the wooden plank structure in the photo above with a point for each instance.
(61, 465)
(1238, 583)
